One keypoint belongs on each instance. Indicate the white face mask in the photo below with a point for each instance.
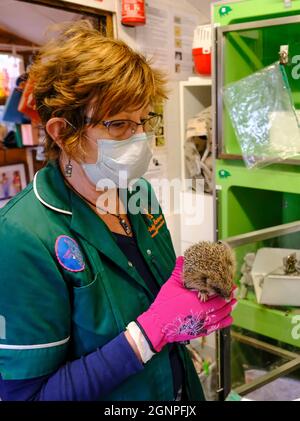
(121, 160)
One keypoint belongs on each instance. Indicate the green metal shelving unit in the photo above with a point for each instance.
(248, 36)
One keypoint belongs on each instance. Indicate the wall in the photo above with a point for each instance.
(128, 34)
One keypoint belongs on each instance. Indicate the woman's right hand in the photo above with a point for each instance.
(177, 314)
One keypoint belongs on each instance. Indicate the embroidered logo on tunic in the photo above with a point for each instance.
(154, 224)
(68, 254)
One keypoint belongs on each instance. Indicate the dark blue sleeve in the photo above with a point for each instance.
(86, 379)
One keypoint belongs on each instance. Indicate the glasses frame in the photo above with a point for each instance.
(108, 123)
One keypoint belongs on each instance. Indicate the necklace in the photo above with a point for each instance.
(122, 220)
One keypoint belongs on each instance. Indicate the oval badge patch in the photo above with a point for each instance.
(68, 254)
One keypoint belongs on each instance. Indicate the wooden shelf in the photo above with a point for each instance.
(12, 156)
(197, 81)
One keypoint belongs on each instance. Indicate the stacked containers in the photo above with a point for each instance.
(202, 49)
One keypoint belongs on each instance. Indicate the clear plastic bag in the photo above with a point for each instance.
(261, 110)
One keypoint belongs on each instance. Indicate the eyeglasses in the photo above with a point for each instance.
(123, 129)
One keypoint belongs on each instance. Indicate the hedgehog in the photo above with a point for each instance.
(209, 268)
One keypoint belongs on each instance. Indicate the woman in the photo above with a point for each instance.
(92, 300)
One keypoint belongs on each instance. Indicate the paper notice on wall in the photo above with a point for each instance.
(167, 38)
(153, 38)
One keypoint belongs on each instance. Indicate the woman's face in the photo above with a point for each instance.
(101, 132)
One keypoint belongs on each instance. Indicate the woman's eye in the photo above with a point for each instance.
(118, 124)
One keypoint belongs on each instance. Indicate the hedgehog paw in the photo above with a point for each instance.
(203, 296)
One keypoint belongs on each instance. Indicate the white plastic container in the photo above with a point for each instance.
(202, 38)
(271, 285)
(202, 49)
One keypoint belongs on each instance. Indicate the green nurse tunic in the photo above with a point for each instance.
(60, 304)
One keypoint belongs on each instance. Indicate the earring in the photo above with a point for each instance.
(68, 169)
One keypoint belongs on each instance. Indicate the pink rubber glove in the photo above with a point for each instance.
(177, 314)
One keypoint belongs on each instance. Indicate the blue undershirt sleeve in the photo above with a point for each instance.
(89, 378)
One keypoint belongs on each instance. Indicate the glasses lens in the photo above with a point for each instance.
(121, 128)
(152, 123)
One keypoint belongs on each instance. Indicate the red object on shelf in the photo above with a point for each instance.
(27, 103)
(202, 60)
(133, 12)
